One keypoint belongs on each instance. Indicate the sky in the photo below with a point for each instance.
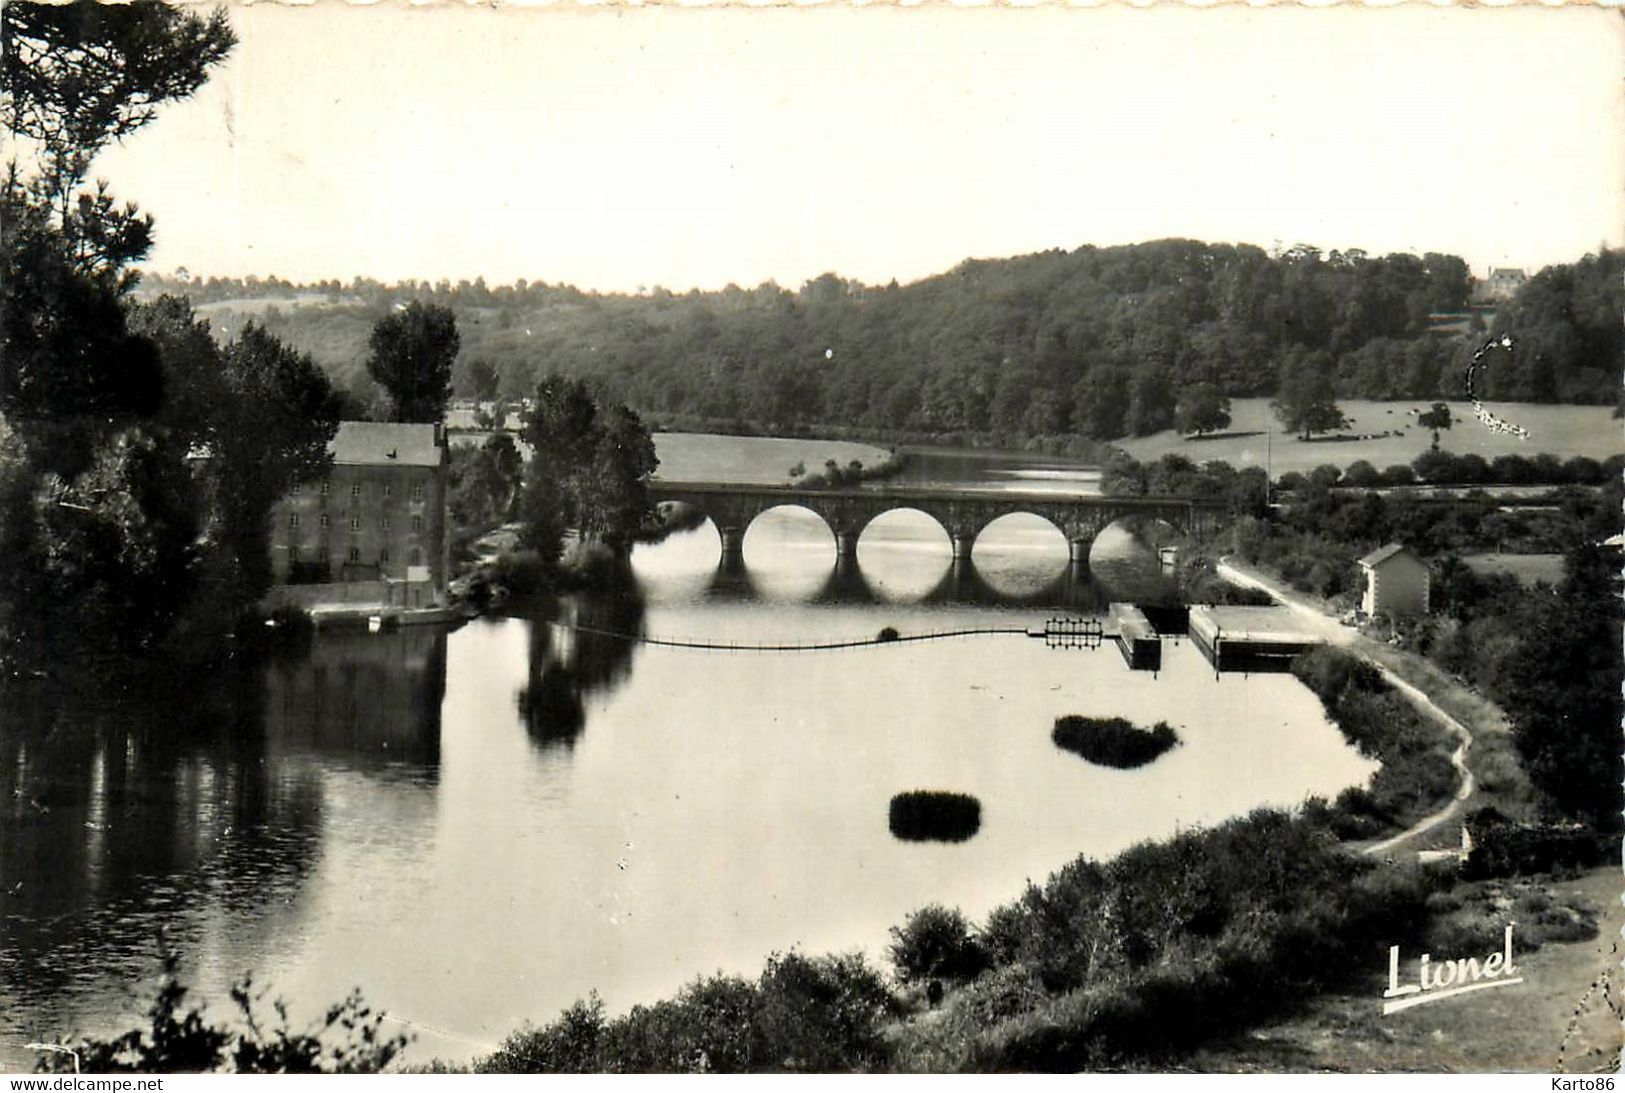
(619, 149)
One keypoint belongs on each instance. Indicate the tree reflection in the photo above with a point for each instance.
(126, 811)
(145, 805)
(580, 645)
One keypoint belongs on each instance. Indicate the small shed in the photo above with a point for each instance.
(1396, 582)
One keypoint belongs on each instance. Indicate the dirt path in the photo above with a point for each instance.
(1376, 655)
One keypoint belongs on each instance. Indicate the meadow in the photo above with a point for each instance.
(706, 457)
(1255, 438)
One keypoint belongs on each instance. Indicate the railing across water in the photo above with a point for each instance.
(1056, 634)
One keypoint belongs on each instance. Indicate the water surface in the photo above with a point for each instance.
(479, 827)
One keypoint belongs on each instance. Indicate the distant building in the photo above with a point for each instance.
(1396, 582)
(375, 527)
(1503, 283)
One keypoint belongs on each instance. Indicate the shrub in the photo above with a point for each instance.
(821, 1014)
(921, 815)
(521, 572)
(803, 1013)
(1362, 474)
(1471, 468)
(1583, 470)
(1435, 467)
(569, 1045)
(1331, 673)
(346, 1040)
(1325, 476)
(1113, 741)
(1398, 475)
(1502, 848)
(1511, 469)
(1175, 942)
(1416, 772)
(708, 1027)
(936, 943)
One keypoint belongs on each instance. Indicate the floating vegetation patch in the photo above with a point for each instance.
(924, 815)
(1112, 741)
(887, 633)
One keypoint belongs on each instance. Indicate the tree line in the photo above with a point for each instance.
(1094, 342)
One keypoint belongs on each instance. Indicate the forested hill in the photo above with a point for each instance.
(1096, 341)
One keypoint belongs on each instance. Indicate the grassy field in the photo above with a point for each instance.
(1528, 568)
(1255, 439)
(689, 457)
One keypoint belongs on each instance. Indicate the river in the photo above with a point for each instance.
(478, 827)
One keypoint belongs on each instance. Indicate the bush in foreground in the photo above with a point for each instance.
(346, 1040)
(936, 943)
(813, 1014)
(1144, 957)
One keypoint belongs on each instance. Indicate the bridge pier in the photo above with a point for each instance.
(846, 545)
(1079, 550)
(962, 546)
(733, 546)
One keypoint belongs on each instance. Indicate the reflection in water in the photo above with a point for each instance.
(365, 697)
(131, 820)
(578, 646)
(533, 808)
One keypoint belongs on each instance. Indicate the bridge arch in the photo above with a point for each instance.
(1155, 531)
(1019, 520)
(908, 514)
(801, 513)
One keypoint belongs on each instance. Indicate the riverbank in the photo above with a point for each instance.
(1486, 764)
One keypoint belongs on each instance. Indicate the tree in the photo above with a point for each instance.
(277, 415)
(615, 493)
(483, 380)
(589, 468)
(562, 419)
(1151, 403)
(70, 371)
(261, 413)
(76, 77)
(1436, 419)
(484, 383)
(485, 483)
(936, 943)
(1562, 692)
(1362, 474)
(413, 351)
(1305, 401)
(1102, 400)
(99, 512)
(1202, 408)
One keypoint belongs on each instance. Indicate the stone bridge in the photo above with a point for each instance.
(963, 513)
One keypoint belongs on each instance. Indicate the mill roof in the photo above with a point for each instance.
(1382, 554)
(386, 444)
